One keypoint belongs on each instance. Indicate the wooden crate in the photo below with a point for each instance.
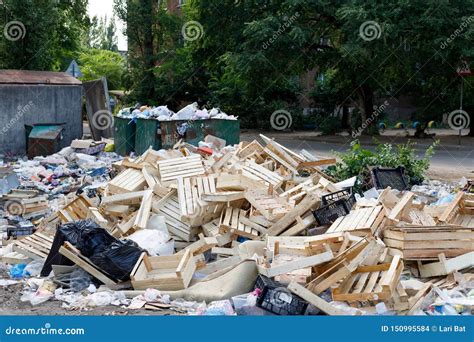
(258, 172)
(211, 229)
(190, 191)
(270, 206)
(34, 246)
(129, 180)
(370, 283)
(78, 209)
(172, 169)
(365, 220)
(166, 273)
(426, 243)
(231, 222)
(169, 207)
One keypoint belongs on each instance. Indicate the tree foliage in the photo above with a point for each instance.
(96, 63)
(252, 54)
(43, 33)
(102, 34)
(152, 34)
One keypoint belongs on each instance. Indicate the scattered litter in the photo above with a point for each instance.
(249, 229)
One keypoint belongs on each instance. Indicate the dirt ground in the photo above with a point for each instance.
(11, 305)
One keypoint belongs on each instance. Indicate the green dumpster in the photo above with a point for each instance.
(124, 135)
(147, 134)
(195, 131)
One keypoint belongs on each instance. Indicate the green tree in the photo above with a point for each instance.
(102, 34)
(152, 33)
(41, 34)
(250, 55)
(97, 63)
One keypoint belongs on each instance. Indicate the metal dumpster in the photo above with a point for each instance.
(124, 135)
(195, 131)
(147, 134)
(43, 139)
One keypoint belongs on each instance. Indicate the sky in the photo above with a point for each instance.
(101, 8)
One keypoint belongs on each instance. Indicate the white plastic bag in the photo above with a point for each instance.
(187, 112)
(155, 242)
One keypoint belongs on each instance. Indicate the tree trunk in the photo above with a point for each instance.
(366, 107)
(345, 121)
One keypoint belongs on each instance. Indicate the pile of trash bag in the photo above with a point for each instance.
(163, 113)
(114, 257)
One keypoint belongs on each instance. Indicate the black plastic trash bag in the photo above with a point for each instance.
(73, 233)
(118, 259)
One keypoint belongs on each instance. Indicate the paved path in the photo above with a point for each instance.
(450, 161)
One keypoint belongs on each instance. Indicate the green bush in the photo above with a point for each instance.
(356, 162)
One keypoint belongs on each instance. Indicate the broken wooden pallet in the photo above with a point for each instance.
(211, 229)
(172, 169)
(190, 191)
(346, 262)
(445, 266)
(299, 263)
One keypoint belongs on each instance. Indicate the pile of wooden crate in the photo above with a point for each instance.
(256, 192)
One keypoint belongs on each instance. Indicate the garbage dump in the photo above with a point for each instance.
(248, 229)
(163, 113)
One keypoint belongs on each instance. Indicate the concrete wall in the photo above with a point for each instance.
(22, 105)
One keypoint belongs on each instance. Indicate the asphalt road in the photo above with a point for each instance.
(450, 162)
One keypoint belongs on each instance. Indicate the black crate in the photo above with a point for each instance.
(276, 298)
(329, 213)
(19, 231)
(389, 177)
(342, 194)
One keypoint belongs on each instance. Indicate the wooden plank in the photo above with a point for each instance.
(86, 266)
(444, 267)
(308, 203)
(296, 264)
(451, 207)
(143, 213)
(404, 202)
